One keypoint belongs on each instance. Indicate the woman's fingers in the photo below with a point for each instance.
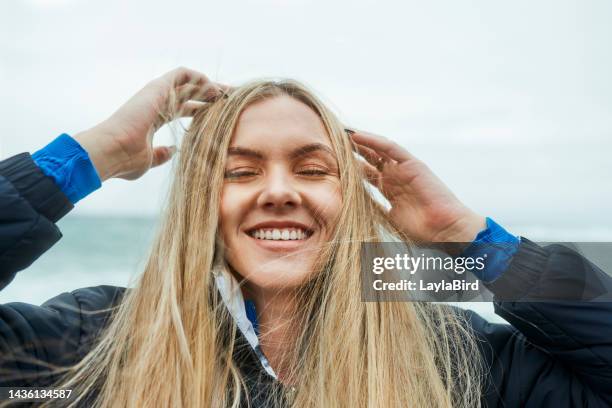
(225, 88)
(192, 84)
(181, 92)
(185, 110)
(372, 174)
(190, 81)
(381, 145)
(203, 93)
(372, 156)
(181, 76)
(189, 108)
(162, 154)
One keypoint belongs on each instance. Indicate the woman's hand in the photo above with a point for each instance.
(122, 145)
(421, 205)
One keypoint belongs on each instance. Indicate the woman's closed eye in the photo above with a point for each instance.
(314, 171)
(237, 174)
(308, 171)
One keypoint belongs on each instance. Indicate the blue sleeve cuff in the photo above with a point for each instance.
(69, 165)
(495, 244)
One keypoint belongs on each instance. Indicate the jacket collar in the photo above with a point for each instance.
(234, 301)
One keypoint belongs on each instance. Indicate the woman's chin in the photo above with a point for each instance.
(276, 275)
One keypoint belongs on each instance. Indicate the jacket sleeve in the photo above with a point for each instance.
(36, 340)
(30, 204)
(555, 353)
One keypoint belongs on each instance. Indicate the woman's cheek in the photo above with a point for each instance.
(328, 198)
(230, 211)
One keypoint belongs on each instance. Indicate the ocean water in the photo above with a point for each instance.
(112, 251)
(93, 251)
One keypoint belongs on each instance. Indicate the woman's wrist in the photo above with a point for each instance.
(106, 155)
(464, 229)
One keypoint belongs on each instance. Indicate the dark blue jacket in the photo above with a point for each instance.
(554, 354)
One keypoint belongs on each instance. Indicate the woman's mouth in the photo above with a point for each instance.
(280, 239)
(281, 234)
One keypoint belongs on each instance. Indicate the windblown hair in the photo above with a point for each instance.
(171, 341)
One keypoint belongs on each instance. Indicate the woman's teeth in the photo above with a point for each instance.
(285, 234)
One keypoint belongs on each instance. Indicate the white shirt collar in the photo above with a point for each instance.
(232, 297)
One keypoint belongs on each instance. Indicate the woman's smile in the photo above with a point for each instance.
(280, 236)
(277, 243)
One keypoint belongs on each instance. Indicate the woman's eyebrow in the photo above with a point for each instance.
(309, 148)
(244, 151)
(300, 151)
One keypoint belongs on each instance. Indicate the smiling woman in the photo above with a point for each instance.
(287, 173)
(251, 294)
(269, 196)
(280, 204)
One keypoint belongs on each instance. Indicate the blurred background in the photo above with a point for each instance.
(508, 102)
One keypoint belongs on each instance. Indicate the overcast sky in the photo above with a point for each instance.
(508, 102)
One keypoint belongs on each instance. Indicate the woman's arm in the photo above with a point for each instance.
(37, 340)
(556, 353)
(34, 339)
(30, 204)
(34, 194)
(121, 146)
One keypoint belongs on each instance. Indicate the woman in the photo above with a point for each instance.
(268, 206)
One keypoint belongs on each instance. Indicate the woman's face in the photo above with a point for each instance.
(281, 193)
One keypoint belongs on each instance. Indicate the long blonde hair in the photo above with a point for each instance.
(171, 341)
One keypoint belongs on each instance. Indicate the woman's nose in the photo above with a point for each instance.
(279, 191)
